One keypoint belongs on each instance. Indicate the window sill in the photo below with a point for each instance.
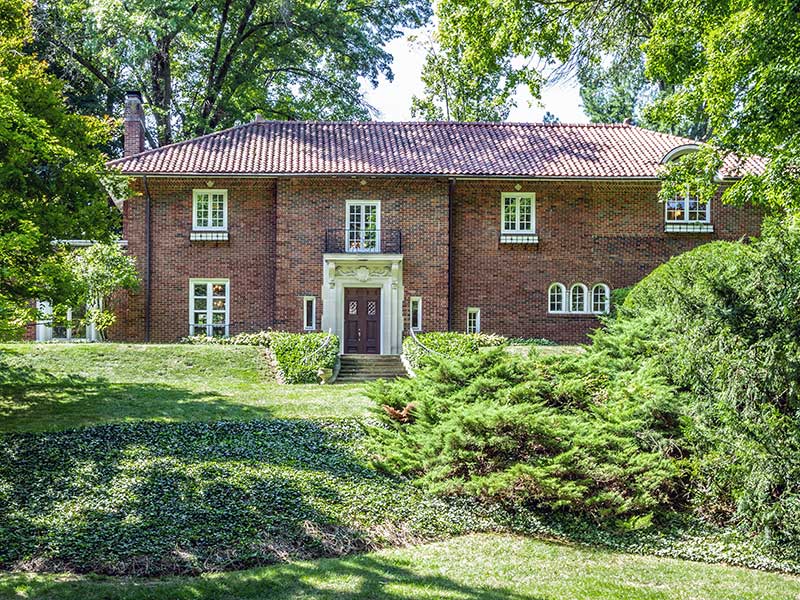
(519, 238)
(688, 228)
(209, 236)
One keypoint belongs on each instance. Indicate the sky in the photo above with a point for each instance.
(393, 99)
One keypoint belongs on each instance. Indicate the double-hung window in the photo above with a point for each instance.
(210, 210)
(363, 226)
(518, 215)
(687, 212)
(473, 320)
(209, 302)
(415, 313)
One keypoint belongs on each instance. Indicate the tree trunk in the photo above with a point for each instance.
(161, 96)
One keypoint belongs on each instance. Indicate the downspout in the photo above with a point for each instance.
(451, 186)
(148, 260)
(274, 254)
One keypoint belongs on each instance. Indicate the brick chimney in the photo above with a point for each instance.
(133, 139)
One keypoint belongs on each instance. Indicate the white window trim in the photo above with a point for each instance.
(477, 312)
(348, 204)
(564, 299)
(44, 328)
(586, 300)
(195, 194)
(607, 306)
(518, 195)
(686, 221)
(313, 325)
(209, 325)
(411, 301)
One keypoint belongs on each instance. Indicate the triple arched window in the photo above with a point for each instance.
(579, 299)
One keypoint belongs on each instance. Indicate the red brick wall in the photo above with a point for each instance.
(589, 232)
(247, 259)
(309, 206)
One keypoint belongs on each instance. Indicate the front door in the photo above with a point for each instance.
(362, 321)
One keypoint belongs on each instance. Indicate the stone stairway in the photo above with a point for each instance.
(367, 367)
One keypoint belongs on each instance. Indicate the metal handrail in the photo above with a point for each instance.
(421, 345)
(307, 358)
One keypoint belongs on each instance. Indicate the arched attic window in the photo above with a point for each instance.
(686, 213)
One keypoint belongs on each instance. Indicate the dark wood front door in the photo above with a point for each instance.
(362, 321)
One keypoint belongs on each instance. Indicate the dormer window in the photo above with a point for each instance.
(210, 215)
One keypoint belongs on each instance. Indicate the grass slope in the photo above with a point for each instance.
(488, 567)
(57, 386)
(158, 498)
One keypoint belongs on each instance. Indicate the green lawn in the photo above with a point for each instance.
(56, 386)
(491, 567)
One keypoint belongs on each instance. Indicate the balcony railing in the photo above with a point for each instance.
(360, 241)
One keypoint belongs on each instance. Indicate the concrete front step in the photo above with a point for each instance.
(368, 367)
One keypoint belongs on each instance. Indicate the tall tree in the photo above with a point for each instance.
(206, 65)
(453, 92)
(53, 179)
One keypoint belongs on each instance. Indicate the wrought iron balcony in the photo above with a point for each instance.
(360, 241)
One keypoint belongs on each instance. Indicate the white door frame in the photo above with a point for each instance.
(384, 271)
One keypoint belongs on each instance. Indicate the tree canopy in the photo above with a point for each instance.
(53, 179)
(202, 66)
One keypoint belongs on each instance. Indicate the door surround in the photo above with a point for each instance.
(384, 271)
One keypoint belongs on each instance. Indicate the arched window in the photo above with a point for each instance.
(577, 298)
(556, 298)
(600, 298)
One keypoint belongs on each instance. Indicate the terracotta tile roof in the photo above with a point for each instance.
(419, 148)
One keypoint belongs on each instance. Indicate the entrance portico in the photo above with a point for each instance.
(381, 272)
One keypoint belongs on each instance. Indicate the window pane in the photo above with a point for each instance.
(310, 316)
(200, 318)
(676, 209)
(218, 331)
(218, 304)
(202, 209)
(556, 299)
(415, 306)
(525, 214)
(509, 214)
(599, 299)
(218, 318)
(218, 290)
(697, 211)
(218, 210)
(200, 303)
(578, 299)
(200, 289)
(199, 330)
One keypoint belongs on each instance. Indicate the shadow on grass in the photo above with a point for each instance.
(152, 498)
(37, 399)
(367, 577)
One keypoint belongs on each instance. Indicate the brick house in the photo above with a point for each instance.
(367, 229)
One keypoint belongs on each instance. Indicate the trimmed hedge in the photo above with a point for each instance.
(295, 357)
(450, 344)
(299, 356)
